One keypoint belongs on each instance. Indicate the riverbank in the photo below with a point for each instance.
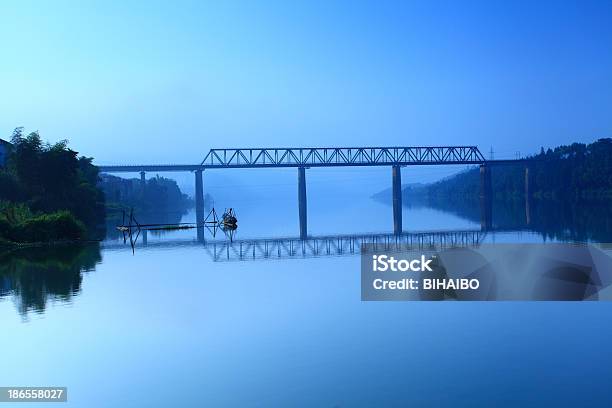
(48, 193)
(19, 225)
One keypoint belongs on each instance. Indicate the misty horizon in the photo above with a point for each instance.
(162, 84)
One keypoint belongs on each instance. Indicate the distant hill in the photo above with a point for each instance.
(575, 172)
(386, 194)
(157, 194)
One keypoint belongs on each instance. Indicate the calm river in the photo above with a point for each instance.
(180, 323)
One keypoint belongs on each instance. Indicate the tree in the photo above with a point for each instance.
(52, 178)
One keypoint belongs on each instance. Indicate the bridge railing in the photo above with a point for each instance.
(366, 156)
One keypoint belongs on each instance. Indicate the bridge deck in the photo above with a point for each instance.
(324, 157)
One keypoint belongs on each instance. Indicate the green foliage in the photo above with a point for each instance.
(14, 213)
(57, 226)
(48, 179)
(17, 224)
(577, 171)
(10, 188)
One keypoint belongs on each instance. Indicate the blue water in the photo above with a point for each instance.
(168, 326)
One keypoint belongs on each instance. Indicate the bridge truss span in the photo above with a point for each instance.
(340, 245)
(345, 156)
(318, 246)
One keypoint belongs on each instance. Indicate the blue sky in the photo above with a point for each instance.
(165, 81)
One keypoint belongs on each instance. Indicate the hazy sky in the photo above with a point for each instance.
(163, 82)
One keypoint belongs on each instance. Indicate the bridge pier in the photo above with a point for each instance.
(397, 199)
(527, 197)
(302, 202)
(486, 198)
(200, 234)
(143, 180)
(199, 201)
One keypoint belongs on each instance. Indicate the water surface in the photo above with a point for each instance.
(170, 325)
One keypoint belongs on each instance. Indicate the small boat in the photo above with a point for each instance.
(229, 220)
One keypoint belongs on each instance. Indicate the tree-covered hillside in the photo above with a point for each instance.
(577, 171)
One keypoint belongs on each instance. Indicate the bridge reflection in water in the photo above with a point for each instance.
(316, 246)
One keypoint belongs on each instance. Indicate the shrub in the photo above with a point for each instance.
(5, 229)
(58, 226)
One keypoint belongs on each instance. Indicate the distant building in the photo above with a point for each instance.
(5, 149)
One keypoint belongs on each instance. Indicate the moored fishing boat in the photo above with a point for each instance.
(229, 220)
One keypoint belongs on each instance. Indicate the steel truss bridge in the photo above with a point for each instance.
(304, 158)
(319, 157)
(320, 246)
(345, 156)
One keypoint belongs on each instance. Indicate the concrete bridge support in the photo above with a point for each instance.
(199, 197)
(302, 202)
(143, 180)
(397, 199)
(486, 198)
(527, 197)
(200, 234)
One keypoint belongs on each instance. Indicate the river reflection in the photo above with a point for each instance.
(182, 317)
(579, 221)
(35, 276)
